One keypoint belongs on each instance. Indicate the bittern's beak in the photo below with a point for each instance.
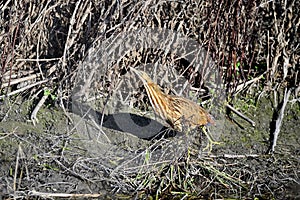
(136, 71)
(142, 75)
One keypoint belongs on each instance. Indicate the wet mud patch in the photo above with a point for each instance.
(59, 156)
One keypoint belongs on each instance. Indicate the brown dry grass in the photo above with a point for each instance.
(42, 44)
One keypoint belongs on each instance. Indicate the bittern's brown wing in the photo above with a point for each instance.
(188, 113)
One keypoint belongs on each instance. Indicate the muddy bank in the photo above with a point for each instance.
(73, 155)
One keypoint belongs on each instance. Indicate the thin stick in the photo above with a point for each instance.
(4, 6)
(37, 60)
(243, 85)
(20, 155)
(235, 156)
(33, 117)
(8, 134)
(240, 115)
(63, 195)
(19, 80)
(25, 88)
(70, 40)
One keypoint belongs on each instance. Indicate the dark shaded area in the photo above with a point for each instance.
(140, 126)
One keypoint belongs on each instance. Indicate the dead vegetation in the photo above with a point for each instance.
(252, 45)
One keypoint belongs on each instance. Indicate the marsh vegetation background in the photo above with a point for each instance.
(48, 150)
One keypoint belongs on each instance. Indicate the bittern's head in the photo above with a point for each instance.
(142, 75)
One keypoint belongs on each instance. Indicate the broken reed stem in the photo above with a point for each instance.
(241, 115)
(279, 119)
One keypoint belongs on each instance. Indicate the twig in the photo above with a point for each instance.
(12, 55)
(65, 111)
(24, 73)
(63, 195)
(8, 134)
(70, 37)
(37, 60)
(20, 155)
(243, 85)
(19, 80)
(50, 70)
(5, 5)
(100, 129)
(235, 156)
(25, 88)
(240, 115)
(33, 117)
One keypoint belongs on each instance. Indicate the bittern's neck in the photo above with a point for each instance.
(158, 99)
(156, 91)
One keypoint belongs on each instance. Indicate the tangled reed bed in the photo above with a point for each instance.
(254, 48)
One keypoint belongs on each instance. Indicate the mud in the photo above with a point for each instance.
(66, 153)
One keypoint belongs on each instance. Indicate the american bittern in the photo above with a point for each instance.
(177, 111)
